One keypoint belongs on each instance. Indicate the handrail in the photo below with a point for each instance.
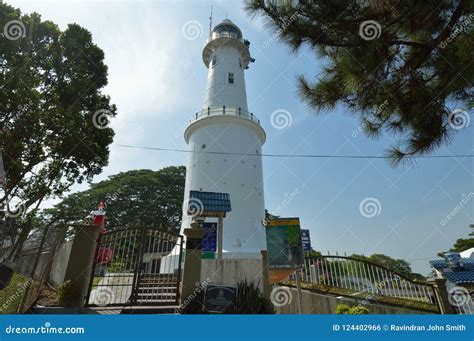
(353, 277)
(225, 111)
(414, 281)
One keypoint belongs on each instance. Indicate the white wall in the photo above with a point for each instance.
(231, 271)
(219, 91)
(239, 175)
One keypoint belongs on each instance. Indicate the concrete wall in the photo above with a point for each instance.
(24, 264)
(60, 261)
(231, 271)
(313, 303)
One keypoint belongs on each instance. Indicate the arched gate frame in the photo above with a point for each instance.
(138, 266)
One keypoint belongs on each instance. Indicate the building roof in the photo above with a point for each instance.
(456, 277)
(460, 276)
(211, 201)
(440, 264)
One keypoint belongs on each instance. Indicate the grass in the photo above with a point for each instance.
(11, 296)
(96, 281)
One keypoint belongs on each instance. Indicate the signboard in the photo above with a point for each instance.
(284, 247)
(209, 241)
(306, 240)
(219, 297)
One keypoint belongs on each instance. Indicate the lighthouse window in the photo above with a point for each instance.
(231, 78)
(240, 63)
(214, 60)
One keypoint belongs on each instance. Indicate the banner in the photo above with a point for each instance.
(284, 247)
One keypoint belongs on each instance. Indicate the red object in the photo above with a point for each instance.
(104, 255)
(99, 215)
(101, 206)
(99, 220)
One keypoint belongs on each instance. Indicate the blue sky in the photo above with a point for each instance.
(157, 79)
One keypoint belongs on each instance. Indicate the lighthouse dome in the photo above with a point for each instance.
(227, 27)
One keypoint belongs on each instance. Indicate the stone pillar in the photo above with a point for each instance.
(267, 288)
(441, 292)
(80, 262)
(220, 237)
(192, 260)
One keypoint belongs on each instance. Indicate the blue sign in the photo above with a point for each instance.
(209, 242)
(306, 240)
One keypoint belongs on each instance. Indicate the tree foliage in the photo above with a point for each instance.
(137, 198)
(50, 91)
(462, 244)
(401, 66)
(400, 266)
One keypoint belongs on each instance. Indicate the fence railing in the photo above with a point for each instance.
(466, 308)
(224, 111)
(357, 278)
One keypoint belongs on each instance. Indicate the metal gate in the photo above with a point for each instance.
(139, 266)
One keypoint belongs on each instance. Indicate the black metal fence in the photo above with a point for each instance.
(140, 266)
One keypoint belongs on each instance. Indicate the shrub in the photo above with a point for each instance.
(250, 300)
(342, 309)
(357, 310)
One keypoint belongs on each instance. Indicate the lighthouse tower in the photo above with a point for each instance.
(225, 140)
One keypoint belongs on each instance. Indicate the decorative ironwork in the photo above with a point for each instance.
(366, 281)
(136, 267)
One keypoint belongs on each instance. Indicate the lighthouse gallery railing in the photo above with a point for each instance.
(224, 111)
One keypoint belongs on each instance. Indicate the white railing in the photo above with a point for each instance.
(224, 111)
(357, 278)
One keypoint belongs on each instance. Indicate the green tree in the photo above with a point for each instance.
(400, 266)
(462, 244)
(401, 66)
(50, 98)
(137, 198)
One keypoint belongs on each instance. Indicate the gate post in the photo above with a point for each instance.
(192, 260)
(80, 261)
(267, 288)
(441, 292)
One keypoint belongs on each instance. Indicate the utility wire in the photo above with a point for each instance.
(297, 155)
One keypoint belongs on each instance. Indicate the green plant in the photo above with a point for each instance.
(117, 266)
(12, 294)
(359, 310)
(343, 309)
(250, 300)
(66, 295)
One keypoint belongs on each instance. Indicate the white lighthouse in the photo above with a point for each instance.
(225, 141)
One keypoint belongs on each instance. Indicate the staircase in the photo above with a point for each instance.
(157, 289)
